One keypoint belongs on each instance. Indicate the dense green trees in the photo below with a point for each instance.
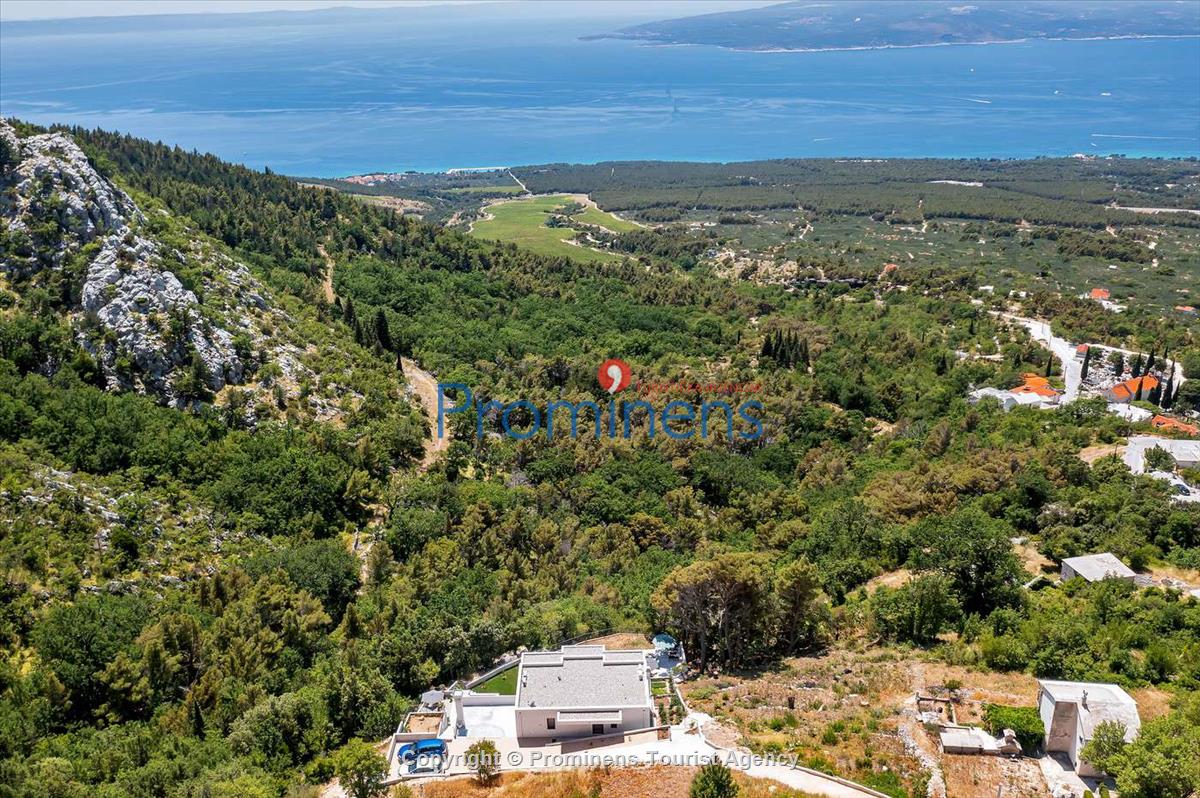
(731, 608)
(360, 770)
(1161, 762)
(186, 618)
(915, 612)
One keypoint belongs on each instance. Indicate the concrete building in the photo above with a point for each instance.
(582, 691)
(1036, 391)
(1096, 568)
(1185, 453)
(1071, 711)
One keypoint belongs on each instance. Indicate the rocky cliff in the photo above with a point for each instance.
(128, 307)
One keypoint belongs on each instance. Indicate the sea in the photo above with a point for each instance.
(351, 91)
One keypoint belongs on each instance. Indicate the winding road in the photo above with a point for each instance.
(1064, 350)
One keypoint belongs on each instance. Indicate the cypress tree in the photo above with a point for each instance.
(382, 334)
(1087, 361)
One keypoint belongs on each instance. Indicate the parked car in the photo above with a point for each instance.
(426, 763)
(415, 750)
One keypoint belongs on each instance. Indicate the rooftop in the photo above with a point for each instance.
(1166, 422)
(1181, 450)
(1036, 384)
(1096, 567)
(1129, 388)
(586, 677)
(1096, 703)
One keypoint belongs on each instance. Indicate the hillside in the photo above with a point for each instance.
(212, 587)
(803, 25)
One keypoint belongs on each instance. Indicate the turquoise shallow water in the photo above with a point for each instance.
(367, 91)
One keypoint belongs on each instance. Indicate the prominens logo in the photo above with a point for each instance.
(614, 375)
(677, 419)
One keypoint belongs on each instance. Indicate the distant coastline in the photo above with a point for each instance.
(645, 42)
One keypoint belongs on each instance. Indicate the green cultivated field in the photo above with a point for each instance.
(593, 215)
(511, 188)
(523, 222)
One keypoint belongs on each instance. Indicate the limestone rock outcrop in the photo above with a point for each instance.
(134, 315)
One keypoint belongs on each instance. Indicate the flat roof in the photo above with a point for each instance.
(1096, 702)
(1135, 451)
(582, 677)
(1096, 567)
(968, 737)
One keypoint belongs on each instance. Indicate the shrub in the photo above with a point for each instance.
(1025, 721)
(714, 780)
(1004, 653)
(484, 759)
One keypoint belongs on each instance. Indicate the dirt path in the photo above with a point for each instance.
(424, 385)
(327, 277)
(1156, 210)
(519, 183)
(915, 740)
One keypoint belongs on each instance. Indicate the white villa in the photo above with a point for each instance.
(582, 691)
(1071, 711)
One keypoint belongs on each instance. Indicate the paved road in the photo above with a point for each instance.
(1064, 350)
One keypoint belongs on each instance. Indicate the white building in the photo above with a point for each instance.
(1185, 452)
(1010, 399)
(582, 691)
(1071, 711)
(1096, 568)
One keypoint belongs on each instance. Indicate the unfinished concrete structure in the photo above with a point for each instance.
(1071, 711)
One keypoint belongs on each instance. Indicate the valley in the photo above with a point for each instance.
(237, 558)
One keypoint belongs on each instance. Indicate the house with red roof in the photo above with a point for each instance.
(1174, 425)
(1037, 385)
(1132, 389)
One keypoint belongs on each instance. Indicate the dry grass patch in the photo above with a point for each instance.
(661, 782)
(619, 640)
(989, 776)
(1152, 702)
(839, 713)
(979, 688)
(1033, 561)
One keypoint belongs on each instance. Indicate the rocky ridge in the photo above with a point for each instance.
(134, 315)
